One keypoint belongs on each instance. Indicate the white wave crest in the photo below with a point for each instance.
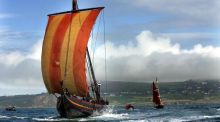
(18, 117)
(51, 119)
(135, 121)
(4, 117)
(107, 114)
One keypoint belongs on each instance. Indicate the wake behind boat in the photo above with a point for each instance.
(64, 57)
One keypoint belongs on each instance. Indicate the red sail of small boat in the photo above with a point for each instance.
(156, 96)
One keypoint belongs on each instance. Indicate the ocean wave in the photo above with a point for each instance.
(135, 121)
(154, 120)
(209, 117)
(4, 117)
(44, 119)
(199, 118)
(17, 117)
(119, 114)
(175, 119)
(106, 115)
(12, 117)
(112, 116)
(50, 119)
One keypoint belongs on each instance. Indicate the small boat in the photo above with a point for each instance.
(10, 108)
(156, 95)
(66, 61)
(129, 107)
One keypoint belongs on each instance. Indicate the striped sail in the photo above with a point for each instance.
(64, 51)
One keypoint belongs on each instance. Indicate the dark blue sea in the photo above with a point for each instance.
(171, 113)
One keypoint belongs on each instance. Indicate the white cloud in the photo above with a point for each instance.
(11, 59)
(21, 70)
(152, 56)
(207, 51)
(141, 60)
(36, 51)
(155, 44)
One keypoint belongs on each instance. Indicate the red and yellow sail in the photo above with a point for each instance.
(64, 50)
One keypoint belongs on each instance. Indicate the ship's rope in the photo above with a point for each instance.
(94, 44)
(106, 82)
(55, 96)
(93, 47)
(90, 77)
(94, 37)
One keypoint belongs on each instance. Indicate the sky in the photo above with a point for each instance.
(169, 39)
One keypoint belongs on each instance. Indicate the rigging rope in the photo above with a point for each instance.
(93, 47)
(94, 43)
(106, 86)
(90, 78)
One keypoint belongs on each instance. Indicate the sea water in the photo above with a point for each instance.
(171, 113)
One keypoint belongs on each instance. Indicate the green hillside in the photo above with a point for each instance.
(120, 93)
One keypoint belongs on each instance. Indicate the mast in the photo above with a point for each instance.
(74, 5)
(96, 86)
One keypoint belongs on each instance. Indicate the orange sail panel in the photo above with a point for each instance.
(64, 51)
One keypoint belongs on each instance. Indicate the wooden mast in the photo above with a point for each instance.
(96, 86)
(74, 5)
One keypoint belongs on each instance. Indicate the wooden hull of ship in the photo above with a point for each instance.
(159, 106)
(73, 107)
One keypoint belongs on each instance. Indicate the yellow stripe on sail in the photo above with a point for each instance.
(76, 24)
(63, 54)
(46, 50)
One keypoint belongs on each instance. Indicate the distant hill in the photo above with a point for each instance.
(190, 91)
(186, 87)
(202, 91)
(34, 101)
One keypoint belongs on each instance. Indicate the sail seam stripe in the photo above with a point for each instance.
(55, 73)
(73, 35)
(47, 46)
(80, 48)
(47, 84)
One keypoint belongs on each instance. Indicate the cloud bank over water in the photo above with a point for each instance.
(140, 60)
(21, 72)
(150, 56)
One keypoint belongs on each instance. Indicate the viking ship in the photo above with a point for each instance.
(156, 95)
(65, 56)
